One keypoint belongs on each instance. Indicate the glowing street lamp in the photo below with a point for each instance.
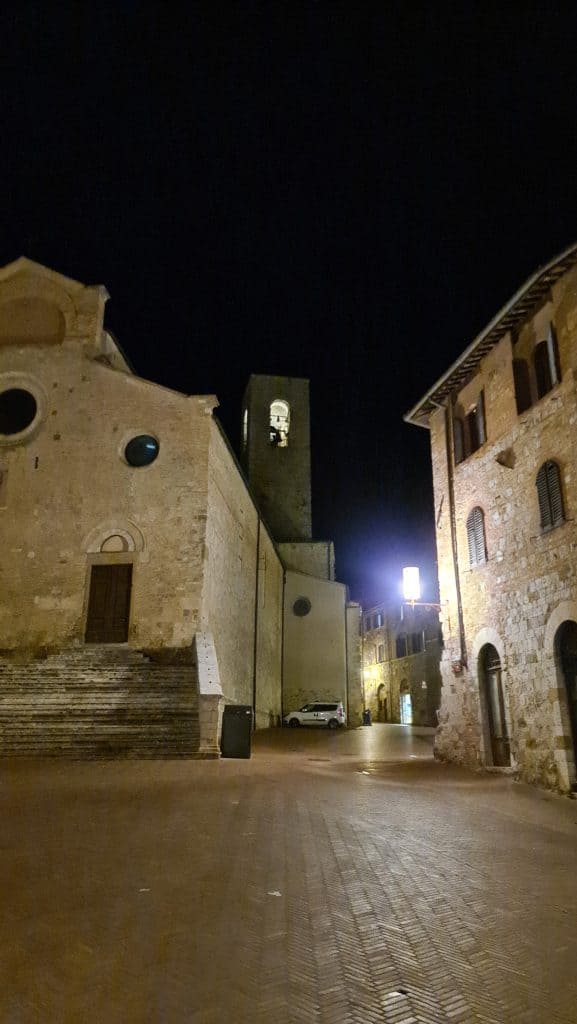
(411, 584)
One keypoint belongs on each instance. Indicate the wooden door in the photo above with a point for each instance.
(495, 702)
(109, 604)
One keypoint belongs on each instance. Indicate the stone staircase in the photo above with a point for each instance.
(98, 702)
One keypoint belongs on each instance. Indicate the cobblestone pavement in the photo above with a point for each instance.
(341, 878)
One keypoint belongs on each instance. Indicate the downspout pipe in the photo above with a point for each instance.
(255, 638)
(450, 448)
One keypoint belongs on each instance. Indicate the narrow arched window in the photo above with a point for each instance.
(546, 362)
(476, 537)
(458, 440)
(279, 425)
(550, 495)
(522, 385)
(245, 428)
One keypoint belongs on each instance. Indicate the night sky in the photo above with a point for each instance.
(345, 192)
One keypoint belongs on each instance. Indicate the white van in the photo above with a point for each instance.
(331, 713)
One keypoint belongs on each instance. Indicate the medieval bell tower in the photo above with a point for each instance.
(276, 453)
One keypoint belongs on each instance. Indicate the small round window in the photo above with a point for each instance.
(18, 409)
(302, 606)
(141, 450)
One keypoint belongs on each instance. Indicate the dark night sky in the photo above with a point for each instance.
(346, 192)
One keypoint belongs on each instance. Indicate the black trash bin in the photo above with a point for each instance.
(367, 717)
(236, 730)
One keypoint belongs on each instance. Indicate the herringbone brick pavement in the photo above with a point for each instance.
(340, 879)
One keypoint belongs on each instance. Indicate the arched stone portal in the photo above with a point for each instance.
(381, 703)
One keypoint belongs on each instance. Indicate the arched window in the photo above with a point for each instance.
(245, 428)
(476, 537)
(458, 440)
(550, 495)
(546, 362)
(522, 385)
(279, 423)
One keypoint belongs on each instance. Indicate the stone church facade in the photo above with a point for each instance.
(503, 426)
(144, 583)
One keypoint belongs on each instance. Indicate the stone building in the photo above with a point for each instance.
(401, 664)
(141, 585)
(502, 423)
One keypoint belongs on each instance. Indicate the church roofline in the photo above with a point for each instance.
(513, 313)
(23, 263)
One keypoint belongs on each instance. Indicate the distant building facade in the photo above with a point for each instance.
(141, 585)
(401, 664)
(503, 426)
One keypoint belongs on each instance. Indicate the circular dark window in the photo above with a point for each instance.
(17, 410)
(302, 606)
(141, 450)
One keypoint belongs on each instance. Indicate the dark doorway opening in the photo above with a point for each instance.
(381, 704)
(566, 644)
(495, 706)
(109, 604)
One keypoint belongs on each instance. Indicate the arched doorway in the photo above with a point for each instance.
(406, 704)
(381, 704)
(566, 655)
(490, 674)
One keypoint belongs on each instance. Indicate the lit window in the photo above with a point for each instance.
(550, 496)
(279, 423)
(245, 428)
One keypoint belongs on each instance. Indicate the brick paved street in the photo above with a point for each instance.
(333, 878)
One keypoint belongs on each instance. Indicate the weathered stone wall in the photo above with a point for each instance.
(314, 557)
(230, 589)
(314, 644)
(529, 575)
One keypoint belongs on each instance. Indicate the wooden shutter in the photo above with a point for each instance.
(476, 537)
(555, 494)
(522, 385)
(543, 498)
(458, 439)
(553, 356)
(480, 418)
(542, 368)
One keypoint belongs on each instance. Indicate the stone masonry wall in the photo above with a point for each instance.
(516, 600)
(230, 587)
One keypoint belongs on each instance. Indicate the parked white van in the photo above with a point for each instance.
(331, 713)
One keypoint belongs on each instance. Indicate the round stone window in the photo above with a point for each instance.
(302, 606)
(141, 450)
(18, 409)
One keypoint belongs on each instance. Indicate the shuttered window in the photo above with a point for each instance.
(550, 495)
(476, 537)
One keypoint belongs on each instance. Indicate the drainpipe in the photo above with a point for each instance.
(255, 643)
(282, 646)
(449, 437)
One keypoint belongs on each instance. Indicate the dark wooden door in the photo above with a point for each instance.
(497, 719)
(567, 640)
(109, 604)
